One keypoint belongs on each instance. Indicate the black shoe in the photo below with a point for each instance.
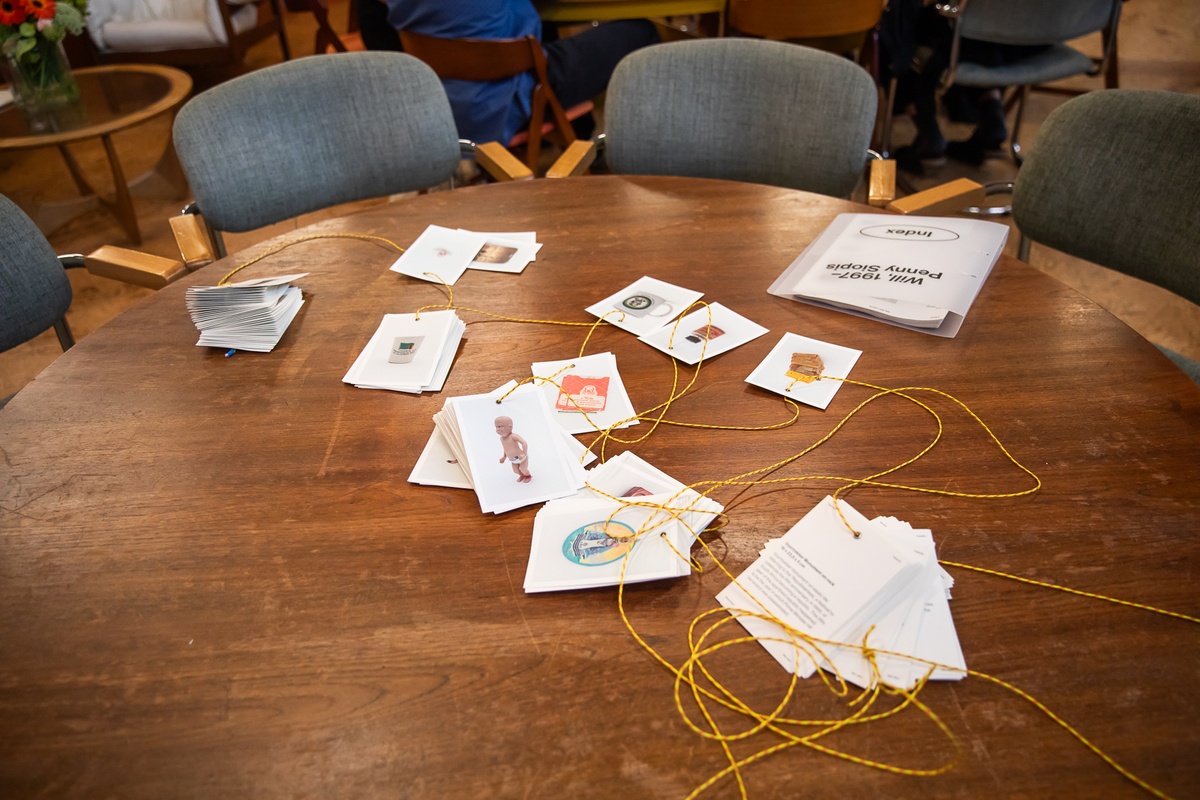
(915, 157)
(975, 151)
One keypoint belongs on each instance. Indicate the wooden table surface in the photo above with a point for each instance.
(215, 580)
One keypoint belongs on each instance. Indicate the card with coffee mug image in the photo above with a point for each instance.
(644, 305)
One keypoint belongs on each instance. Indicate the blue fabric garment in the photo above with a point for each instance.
(483, 111)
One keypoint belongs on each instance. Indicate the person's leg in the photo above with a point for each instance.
(579, 66)
(377, 33)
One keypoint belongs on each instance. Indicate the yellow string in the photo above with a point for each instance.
(1068, 590)
(808, 646)
(285, 245)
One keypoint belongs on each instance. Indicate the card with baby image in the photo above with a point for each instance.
(586, 393)
(515, 451)
(439, 254)
(644, 305)
(506, 252)
(806, 370)
(707, 331)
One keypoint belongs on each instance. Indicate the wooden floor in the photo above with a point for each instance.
(1159, 49)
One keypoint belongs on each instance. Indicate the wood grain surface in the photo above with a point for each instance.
(215, 580)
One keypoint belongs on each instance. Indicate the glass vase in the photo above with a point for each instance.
(42, 83)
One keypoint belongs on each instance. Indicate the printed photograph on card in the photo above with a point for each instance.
(593, 543)
(503, 252)
(706, 331)
(585, 393)
(439, 254)
(805, 369)
(644, 305)
(438, 466)
(516, 451)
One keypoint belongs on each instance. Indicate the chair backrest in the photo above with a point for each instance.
(312, 133)
(772, 19)
(34, 290)
(1034, 22)
(741, 109)
(1113, 181)
(492, 60)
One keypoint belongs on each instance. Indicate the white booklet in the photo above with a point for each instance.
(248, 315)
(822, 581)
(408, 353)
(919, 273)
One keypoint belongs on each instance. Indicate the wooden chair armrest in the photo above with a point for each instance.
(575, 160)
(193, 240)
(881, 188)
(131, 266)
(948, 198)
(502, 165)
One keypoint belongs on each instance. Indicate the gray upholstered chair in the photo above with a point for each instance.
(750, 110)
(1029, 22)
(315, 132)
(34, 288)
(741, 109)
(1113, 181)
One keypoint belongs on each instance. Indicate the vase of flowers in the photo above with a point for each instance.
(35, 66)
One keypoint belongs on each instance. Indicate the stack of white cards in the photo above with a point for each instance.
(632, 523)
(649, 307)
(444, 254)
(884, 586)
(586, 393)
(408, 353)
(249, 315)
(510, 449)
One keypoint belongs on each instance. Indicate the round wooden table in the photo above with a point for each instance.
(112, 98)
(215, 580)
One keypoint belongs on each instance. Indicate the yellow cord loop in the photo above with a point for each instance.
(694, 678)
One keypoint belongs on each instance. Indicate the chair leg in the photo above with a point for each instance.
(1014, 141)
(64, 334)
(885, 143)
(533, 147)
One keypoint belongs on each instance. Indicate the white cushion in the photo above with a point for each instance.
(153, 25)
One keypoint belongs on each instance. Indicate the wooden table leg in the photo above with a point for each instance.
(81, 183)
(122, 207)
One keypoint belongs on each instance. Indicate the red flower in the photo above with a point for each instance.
(42, 9)
(12, 12)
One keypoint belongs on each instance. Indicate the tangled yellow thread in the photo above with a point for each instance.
(691, 676)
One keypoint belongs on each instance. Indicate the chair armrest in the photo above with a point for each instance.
(502, 165)
(131, 266)
(948, 198)
(575, 160)
(881, 188)
(191, 236)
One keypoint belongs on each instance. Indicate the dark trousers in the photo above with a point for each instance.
(580, 66)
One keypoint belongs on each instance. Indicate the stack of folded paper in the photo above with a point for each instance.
(872, 608)
(632, 523)
(249, 315)
(409, 353)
